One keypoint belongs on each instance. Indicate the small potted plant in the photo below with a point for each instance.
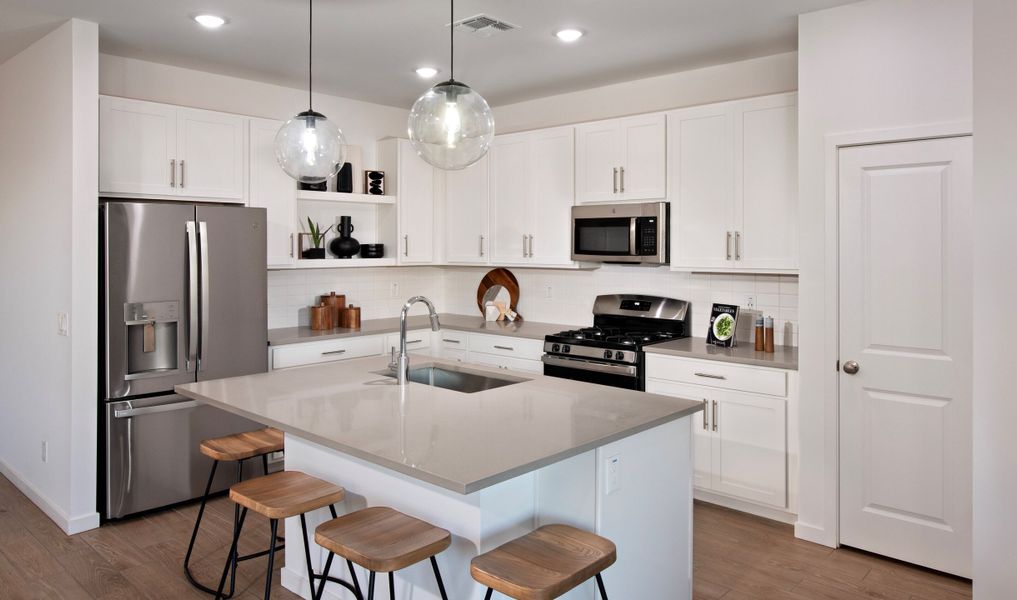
(317, 240)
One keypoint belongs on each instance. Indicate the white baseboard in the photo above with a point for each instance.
(70, 525)
(774, 514)
(811, 533)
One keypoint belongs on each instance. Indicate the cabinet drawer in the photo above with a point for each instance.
(415, 340)
(507, 346)
(296, 355)
(456, 355)
(453, 340)
(507, 362)
(772, 382)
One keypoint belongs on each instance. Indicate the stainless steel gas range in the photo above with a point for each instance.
(611, 352)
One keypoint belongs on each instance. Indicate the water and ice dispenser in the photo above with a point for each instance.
(152, 330)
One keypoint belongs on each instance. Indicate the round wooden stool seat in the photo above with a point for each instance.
(241, 446)
(285, 494)
(382, 539)
(544, 563)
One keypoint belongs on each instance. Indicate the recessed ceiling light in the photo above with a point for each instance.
(427, 72)
(210, 21)
(569, 35)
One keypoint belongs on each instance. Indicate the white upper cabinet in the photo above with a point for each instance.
(622, 159)
(272, 189)
(467, 239)
(511, 198)
(734, 186)
(151, 149)
(413, 180)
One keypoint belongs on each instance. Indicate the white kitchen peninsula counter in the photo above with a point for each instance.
(487, 466)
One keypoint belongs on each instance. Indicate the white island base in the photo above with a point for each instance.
(636, 491)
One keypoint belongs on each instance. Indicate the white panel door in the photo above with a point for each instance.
(210, 149)
(137, 147)
(552, 162)
(467, 239)
(905, 320)
(766, 182)
(598, 161)
(272, 189)
(416, 207)
(702, 197)
(643, 173)
(750, 447)
(511, 193)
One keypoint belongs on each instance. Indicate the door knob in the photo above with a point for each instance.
(851, 367)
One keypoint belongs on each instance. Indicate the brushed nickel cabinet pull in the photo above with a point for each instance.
(451, 341)
(291, 245)
(706, 408)
(738, 245)
(406, 245)
(481, 245)
(614, 180)
(333, 352)
(714, 415)
(173, 173)
(621, 173)
(728, 245)
(710, 376)
(181, 173)
(505, 348)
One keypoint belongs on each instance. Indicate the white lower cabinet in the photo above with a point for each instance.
(742, 444)
(417, 342)
(312, 353)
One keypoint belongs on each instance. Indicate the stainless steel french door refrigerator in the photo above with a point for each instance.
(183, 299)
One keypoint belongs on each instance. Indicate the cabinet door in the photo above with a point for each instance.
(750, 447)
(702, 187)
(210, 151)
(766, 183)
(511, 190)
(598, 161)
(552, 167)
(416, 207)
(466, 216)
(137, 147)
(272, 189)
(643, 174)
(702, 435)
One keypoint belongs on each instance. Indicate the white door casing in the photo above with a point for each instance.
(905, 319)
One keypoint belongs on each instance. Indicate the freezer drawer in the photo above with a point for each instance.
(152, 456)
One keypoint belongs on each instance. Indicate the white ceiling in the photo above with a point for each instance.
(367, 49)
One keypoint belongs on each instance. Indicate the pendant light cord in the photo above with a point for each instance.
(310, 52)
(452, 40)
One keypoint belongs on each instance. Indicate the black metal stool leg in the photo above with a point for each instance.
(194, 533)
(271, 559)
(600, 584)
(437, 577)
(356, 580)
(391, 585)
(324, 578)
(264, 464)
(307, 554)
(487, 596)
(233, 552)
(370, 586)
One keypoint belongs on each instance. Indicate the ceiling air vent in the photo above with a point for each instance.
(483, 26)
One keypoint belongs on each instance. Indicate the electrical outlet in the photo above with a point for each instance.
(612, 466)
(750, 302)
(63, 324)
(45, 451)
(549, 293)
(394, 289)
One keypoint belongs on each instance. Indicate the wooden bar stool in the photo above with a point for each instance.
(544, 563)
(279, 496)
(382, 540)
(235, 448)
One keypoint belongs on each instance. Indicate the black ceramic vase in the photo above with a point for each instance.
(344, 246)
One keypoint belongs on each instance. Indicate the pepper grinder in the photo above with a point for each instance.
(759, 334)
(768, 347)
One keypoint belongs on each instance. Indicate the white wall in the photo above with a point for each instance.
(48, 236)
(743, 79)
(995, 401)
(869, 66)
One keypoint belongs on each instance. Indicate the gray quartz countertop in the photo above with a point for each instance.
(460, 442)
(785, 357)
(473, 324)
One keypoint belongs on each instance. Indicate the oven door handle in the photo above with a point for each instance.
(589, 365)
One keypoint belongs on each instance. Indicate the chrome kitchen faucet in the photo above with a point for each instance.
(401, 364)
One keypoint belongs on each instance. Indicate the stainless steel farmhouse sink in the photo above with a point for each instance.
(459, 379)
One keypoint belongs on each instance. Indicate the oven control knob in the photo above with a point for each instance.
(556, 348)
(607, 354)
(619, 355)
(566, 349)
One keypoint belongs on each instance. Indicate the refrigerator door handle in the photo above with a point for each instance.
(151, 410)
(205, 293)
(192, 301)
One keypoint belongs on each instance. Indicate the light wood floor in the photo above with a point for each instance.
(737, 557)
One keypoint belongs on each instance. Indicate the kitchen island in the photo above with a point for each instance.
(488, 466)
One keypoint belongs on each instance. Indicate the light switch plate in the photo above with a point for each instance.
(63, 324)
(612, 465)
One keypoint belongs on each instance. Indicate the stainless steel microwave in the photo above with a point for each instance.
(621, 233)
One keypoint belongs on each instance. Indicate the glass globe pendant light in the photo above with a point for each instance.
(451, 126)
(310, 147)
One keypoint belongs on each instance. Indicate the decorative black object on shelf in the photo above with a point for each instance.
(344, 246)
(314, 187)
(344, 181)
(374, 183)
(372, 250)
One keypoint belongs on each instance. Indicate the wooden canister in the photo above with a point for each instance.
(335, 303)
(353, 317)
(321, 317)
